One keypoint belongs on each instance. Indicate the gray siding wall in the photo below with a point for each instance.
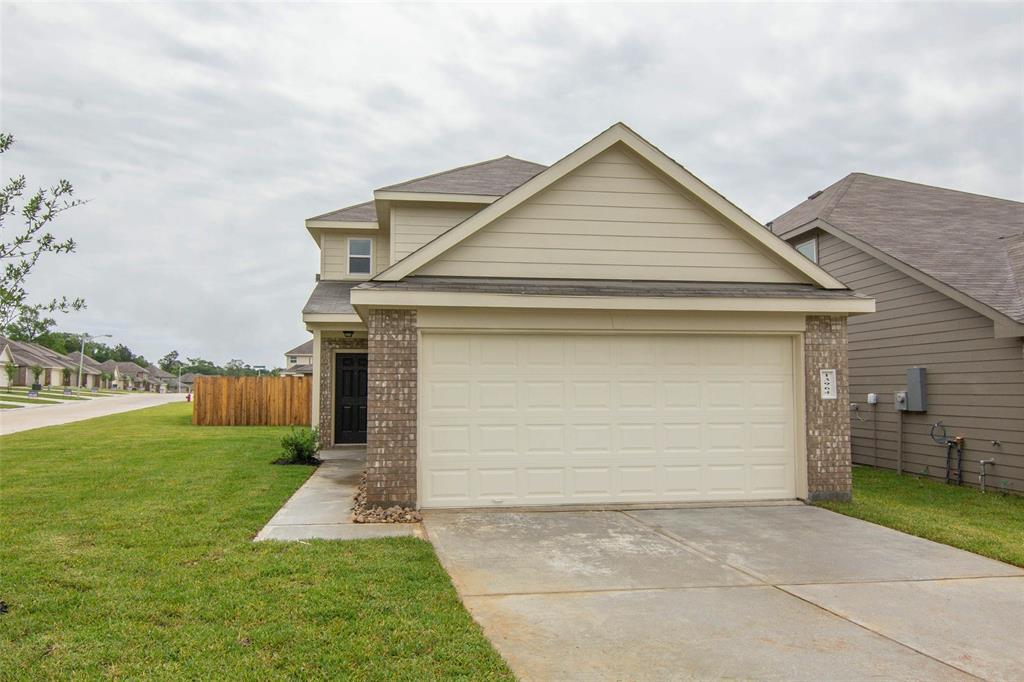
(975, 381)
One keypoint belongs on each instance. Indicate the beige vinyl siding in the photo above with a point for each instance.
(975, 381)
(612, 218)
(334, 254)
(414, 225)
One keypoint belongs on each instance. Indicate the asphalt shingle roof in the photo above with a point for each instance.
(28, 354)
(495, 177)
(584, 287)
(967, 241)
(88, 364)
(330, 298)
(303, 349)
(360, 213)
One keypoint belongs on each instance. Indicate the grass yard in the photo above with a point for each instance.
(8, 406)
(16, 398)
(125, 552)
(990, 524)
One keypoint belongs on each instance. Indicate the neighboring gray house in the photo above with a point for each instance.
(946, 269)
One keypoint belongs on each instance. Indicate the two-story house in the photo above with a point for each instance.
(299, 360)
(606, 329)
(947, 271)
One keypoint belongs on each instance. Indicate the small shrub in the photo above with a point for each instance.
(300, 446)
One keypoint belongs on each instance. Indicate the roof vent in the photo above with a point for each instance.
(815, 195)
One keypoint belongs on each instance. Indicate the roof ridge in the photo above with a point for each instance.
(459, 168)
(927, 186)
(830, 205)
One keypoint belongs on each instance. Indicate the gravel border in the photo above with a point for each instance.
(362, 513)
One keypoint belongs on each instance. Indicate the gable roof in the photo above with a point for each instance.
(494, 177)
(365, 212)
(302, 349)
(965, 241)
(27, 354)
(618, 134)
(89, 365)
(157, 372)
(129, 368)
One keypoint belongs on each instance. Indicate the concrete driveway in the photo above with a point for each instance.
(770, 592)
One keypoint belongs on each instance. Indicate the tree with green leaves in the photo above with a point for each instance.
(37, 372)
(66, 375)
(170, 362)
(22, 249)
(12, 372)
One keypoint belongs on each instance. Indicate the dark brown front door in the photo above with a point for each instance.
(350, 398)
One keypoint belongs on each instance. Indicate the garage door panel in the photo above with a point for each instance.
(531, 419)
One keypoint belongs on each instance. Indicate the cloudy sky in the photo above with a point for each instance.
(203, 134)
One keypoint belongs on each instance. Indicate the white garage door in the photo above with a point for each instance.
(573, 419)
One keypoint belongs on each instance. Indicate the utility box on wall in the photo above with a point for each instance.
(917, 390)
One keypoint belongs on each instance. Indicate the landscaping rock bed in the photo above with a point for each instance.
(362, 513)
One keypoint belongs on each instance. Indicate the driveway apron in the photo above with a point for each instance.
(789, 592)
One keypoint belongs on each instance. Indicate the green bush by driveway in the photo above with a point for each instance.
(990, 524)
(125, 552)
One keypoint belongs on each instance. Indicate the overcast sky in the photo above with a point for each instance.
(203, 134)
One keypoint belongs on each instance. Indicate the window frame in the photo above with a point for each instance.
(813, 241)
(368, 257)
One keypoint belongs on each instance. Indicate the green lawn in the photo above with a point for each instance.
(8, 406)
(125, 552)
(990, 524)
(21, 398)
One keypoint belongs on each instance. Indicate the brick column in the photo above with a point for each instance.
(391, 423)
(828, 421)
(328, 347)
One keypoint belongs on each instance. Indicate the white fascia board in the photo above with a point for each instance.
(414, 299)
(326, 318)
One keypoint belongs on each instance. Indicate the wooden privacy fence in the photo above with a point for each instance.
(252, 401)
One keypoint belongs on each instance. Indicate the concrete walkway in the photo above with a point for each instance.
(38, 416)
(322, 508)
(793, 593)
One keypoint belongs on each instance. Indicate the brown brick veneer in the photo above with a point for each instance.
(828, 421)
(328, 347)
(391, 427)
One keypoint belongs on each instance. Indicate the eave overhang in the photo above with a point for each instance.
(1004, 326)
(363, 299)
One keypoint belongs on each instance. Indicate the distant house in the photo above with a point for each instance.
(160, 380)
(300, 355)
(187, 380)
(299, 360)
(127, 375)
(6, 358)
(947, 271)
(25, 355)
(92, 372)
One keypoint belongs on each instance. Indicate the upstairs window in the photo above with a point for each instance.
(360, 252)
(808, 248)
